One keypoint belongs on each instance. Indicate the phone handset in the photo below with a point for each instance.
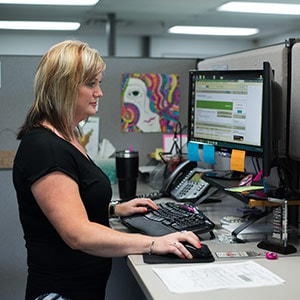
(177, 175)
(186, 183)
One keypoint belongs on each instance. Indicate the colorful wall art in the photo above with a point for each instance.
(150, 102)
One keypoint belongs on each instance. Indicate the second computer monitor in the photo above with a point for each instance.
(231, 109)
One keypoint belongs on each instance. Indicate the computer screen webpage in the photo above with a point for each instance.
(227, 109)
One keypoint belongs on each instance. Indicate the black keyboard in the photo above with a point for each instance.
(170, 217)
(152, 195)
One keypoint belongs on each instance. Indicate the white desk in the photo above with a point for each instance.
(286, 266)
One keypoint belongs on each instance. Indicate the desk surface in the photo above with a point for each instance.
(286, 266)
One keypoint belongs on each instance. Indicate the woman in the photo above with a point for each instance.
(63, 197)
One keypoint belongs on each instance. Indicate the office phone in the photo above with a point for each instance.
(185, 183)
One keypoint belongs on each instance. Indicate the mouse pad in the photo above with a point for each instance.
(172, 259)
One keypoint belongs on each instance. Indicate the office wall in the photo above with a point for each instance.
(16, 95)
(36, 43)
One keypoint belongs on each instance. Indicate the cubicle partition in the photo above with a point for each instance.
(294, 133)
(285, 60)
(277, 55)
(16, 94)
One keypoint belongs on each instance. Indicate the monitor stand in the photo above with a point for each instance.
(226, 174)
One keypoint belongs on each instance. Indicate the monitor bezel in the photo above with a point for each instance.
(221, 146)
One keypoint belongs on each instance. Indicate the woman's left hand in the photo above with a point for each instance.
(134, 206)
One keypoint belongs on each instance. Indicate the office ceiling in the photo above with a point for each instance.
(153, 17)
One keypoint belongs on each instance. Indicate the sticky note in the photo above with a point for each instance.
(193, 152)
(237, 161)
(209, 154)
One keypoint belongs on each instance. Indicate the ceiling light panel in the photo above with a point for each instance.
(35, 25)
(51, 2)
(208, 30)
(261, 8)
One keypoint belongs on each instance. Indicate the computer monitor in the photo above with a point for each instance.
(232, 109)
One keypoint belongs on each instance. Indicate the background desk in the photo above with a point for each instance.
(287, 267)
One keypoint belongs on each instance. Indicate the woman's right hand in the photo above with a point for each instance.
(173, 243)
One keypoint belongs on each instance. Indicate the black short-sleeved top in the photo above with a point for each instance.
(53, 267)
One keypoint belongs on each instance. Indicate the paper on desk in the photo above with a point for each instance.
(206, 277)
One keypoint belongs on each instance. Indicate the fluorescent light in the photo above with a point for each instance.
(35, 25)
(207, 30)
(261, 8)
(51, 2)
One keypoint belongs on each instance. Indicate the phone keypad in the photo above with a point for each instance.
(191, 187)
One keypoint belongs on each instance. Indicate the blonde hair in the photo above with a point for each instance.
(61, 70)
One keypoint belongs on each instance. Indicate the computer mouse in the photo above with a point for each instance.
(202, 252)
(201, 255)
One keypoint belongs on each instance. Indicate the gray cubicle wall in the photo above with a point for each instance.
(110, 105)
(294, 149)
(16, 95)
(277, 55)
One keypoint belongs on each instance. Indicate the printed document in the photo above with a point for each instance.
(206, 277)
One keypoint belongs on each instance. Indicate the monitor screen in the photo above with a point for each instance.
(226, 109)
(231, 109)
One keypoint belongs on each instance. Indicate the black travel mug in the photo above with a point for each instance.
(127, 169)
